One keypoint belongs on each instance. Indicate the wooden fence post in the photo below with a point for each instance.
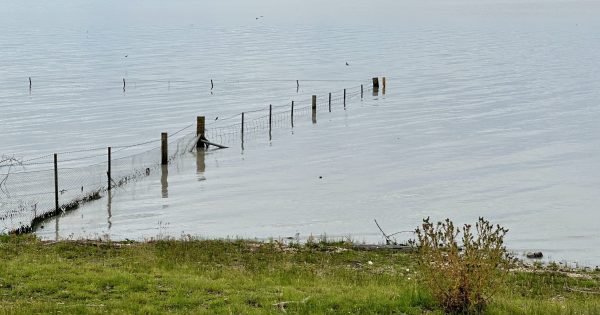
(164, 147)
(330, 102)
(375, 83)
(383, 82)
(200, 123)
(270, 117)
(314, 109)
(56, 183)
(242, 127)
(361, 91)
(108, 173)
(344, 98)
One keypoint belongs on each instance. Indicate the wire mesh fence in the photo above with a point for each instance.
(27, 197)
(230, 129)
(37, 188)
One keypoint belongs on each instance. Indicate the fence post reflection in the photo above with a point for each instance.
(200, 164)
(164, 183)
(109, 208)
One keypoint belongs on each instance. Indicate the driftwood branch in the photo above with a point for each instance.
(388, 239)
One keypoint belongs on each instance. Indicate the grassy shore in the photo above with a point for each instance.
(243, 277)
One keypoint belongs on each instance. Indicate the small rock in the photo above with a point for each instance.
(534, 255)
(370, 262)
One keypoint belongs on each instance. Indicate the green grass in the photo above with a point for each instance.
(223, 277)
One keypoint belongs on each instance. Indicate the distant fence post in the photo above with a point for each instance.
(242, 127)
(314, 109)
(361, 91)
(344, 98)
(200, 123)
(164, 147)
(108, 173)
(56, 182)
(123, 84)
(270, 117)
(330, 102)
(292, 114)
(383, 83)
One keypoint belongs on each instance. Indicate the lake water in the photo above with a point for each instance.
(491, 109)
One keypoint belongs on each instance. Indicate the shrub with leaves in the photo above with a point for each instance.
(462, 277)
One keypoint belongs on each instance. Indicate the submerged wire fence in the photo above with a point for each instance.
(34, 189)
(28, 197)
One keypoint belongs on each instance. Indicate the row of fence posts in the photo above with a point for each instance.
(313, 106)
(200, 122)
(200, 133)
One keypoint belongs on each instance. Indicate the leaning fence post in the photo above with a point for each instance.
(108, 173)
(330, 102)
(56, 182)
(164, 147)
(344, 98)
(200, 123)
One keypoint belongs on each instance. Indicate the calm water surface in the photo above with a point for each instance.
(491, 110)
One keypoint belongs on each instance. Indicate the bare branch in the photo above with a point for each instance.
(388, 240)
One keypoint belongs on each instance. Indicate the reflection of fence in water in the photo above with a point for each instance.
(30, 192)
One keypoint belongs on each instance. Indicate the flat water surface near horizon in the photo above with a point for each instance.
(491, 110)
